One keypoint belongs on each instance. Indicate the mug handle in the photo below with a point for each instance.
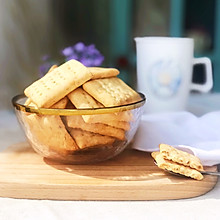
(207, 86)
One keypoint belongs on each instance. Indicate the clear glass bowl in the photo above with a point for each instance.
(79, 136)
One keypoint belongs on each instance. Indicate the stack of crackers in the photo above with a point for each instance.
(72, 85)
(177, 161)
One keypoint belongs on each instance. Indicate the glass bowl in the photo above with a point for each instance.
(79, 136)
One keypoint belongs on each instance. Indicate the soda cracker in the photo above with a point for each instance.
(57, 84)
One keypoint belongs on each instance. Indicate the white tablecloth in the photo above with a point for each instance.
(203, 207)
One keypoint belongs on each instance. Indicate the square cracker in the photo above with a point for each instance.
(111, 91)
(175, 167)
(49, 131)
(85, 139)
(58, 83)
(76, 121)
(81, 99)
(100, 72)
(181, 157)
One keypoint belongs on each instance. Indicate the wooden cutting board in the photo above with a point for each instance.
(131, 175)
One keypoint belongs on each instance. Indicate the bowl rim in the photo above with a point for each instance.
(81, 111)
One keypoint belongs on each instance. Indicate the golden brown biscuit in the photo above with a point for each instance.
(180, 157)
(76, 121)
(85, 139)
(50, 131)
(111, 91)
(57, 84)
(175, 167)
(81, 99)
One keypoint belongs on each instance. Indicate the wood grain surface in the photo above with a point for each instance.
(131, 175)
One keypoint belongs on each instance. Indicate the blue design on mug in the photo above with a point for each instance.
(165, 78)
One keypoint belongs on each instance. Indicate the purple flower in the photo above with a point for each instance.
(87, 55)
(79, 47)
(67, 51)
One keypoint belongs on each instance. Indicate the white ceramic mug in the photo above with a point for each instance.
(164, 72)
